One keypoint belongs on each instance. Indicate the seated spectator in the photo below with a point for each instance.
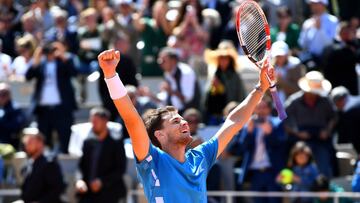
(261, 144)
(43, 180)
(285, 30)
(5, 64)
(102, 164)
(224, 83)
(301, 162)
(25, 47)
(348, 107)
(181, 87)
(340, 59)
(288, 69)
(317, 32)
(323, 184)
(154, 33)
(311, 118)
(12, 118)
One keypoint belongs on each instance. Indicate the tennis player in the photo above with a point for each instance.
(168, 172)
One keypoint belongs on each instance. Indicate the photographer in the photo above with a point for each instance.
(261, 145)
(54, 98)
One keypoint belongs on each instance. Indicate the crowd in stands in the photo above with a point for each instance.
(53, 45)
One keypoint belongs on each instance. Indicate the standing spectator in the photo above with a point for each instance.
(288, 69)
(311, 118)
(305, 172)
(102, 165)
(340, 59)
(54, 97)
(126, 71)
(317, 32)
(12, 119)
(25, 47)
(32, 25)
(62, 32)
(41, 10)
(5, 63)
(154, 33)
(261, 143)
(91, 43)
(285, 30)
(181, 84)
(225, 84)
(348, 107)
(43, 178)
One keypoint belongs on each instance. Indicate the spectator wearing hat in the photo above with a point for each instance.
(311, 118)
(348, 107)
(285, 30)
(224, 83)
(288, 69)
(317, 32)
(340, 59)
(181, 86)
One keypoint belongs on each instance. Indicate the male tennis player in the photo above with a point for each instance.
(168, 172)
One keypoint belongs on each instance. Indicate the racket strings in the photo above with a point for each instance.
(253, 32)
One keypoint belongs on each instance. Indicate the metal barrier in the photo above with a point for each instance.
(230, 195)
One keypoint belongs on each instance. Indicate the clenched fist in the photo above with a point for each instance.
(108, 61)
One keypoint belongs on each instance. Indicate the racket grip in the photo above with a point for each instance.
(279, 107)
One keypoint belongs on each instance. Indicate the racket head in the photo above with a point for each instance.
(253, 31)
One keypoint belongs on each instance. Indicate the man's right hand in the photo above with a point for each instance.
(108, 61)
(80, 186)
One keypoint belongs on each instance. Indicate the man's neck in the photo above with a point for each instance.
(102, 135)
(177, 152)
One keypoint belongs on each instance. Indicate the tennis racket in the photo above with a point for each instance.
(254, 36)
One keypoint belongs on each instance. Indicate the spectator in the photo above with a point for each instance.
(32, 25)
(342, 54)
(62, 32)
(127, 71)
(125, 20)
(25, 47)
(229, 32)
(54, 99)
(302, 164)
(12, 118)
(285, 29)
(288, 69)
(181, 87)
(193, 117)
(311, 118)
(348, 107)
(41, 10)
(154, 33)
(261, 143)
(191, 34)
(225, 83)
(102, 164)
(91, 43)
(5, 63)
(43, 178)
(317, 32)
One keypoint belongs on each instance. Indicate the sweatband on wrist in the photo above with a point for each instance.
(116, 87)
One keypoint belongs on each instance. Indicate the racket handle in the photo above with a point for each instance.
(279, 107)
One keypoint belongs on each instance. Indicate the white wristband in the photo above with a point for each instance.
(116, 87)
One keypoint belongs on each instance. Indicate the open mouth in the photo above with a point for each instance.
(185, 131)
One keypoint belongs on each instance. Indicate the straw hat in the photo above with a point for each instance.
(225, 48)
(314, 82)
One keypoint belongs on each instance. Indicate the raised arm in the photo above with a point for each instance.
(140, 140)
(241, 114)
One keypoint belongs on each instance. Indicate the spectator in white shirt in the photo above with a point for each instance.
(181, 86)
(5, 62)
(317, 32)
(25, 47)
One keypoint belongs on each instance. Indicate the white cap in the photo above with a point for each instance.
(325, 2)
(279, 48)
(119, 2)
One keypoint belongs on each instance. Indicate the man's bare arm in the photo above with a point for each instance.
(241, 114)
(140, 140)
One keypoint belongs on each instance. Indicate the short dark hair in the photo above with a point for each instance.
(283, 11)
(153, 120)
(101, 112)
(298, 148)
(192, 112)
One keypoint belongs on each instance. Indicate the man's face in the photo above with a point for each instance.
(98, 123)
(32, 145)
(166, 63)
(317, 8)
(262, 109)
(175, 131)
